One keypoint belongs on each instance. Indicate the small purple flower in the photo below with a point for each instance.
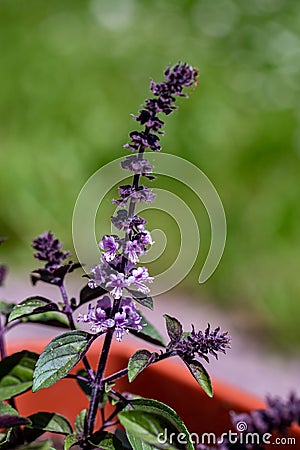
(137, 223)
(98, 317)
(136, 165)
(144, 238)
(98, 275)
(49, 249)
(143, 139)
(117, 282)
(132, 250)
(139, 277)
(150, 120)
(142, 194)
(110, 246)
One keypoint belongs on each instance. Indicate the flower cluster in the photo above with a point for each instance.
(202, 344)
(2, 267)
(117, 270)
(108, 275)
(135, 194)
(279, 415)
(177, 78)
(99, 317)
(49, 249)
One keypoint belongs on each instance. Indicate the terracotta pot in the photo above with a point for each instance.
(166, 381)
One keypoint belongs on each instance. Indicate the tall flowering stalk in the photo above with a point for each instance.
(117, 283)
(118, 270)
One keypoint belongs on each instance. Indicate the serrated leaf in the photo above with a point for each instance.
(137, 363)
(50, 318)
(88, 294)
(142, 299)
(9, 417)
(79, 424)
(174, 328)
(105, 441)
(151, 427)
(148, 333)
(52, 422)
(32, 305)
(149, 405)
(59, 357)
(201, 376)
(5, 308)
(16, 373)
(69, 441)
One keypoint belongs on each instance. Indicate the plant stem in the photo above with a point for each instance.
(96, 392)
(69, 314)
(2, 345)
(98, 383)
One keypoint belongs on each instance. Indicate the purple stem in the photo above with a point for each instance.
(2, 345)
(98, 384)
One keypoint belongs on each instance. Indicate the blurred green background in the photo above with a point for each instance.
(72, 71)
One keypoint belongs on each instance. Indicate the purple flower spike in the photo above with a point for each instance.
(202, 344)
(49, 250)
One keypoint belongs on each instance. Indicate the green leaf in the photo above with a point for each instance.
(9, 417)
(32, 305)
(201, 376)
(137, 363)
(55, 423)
(5, 308)
(69, 441)
(53, 319)
(149, 405)
(148, 333)
(174, 328)
(139, 444)
(16, 373)
(79, 424)
(105, 441)
(151, 427)
(142, 299)
(59, 357)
